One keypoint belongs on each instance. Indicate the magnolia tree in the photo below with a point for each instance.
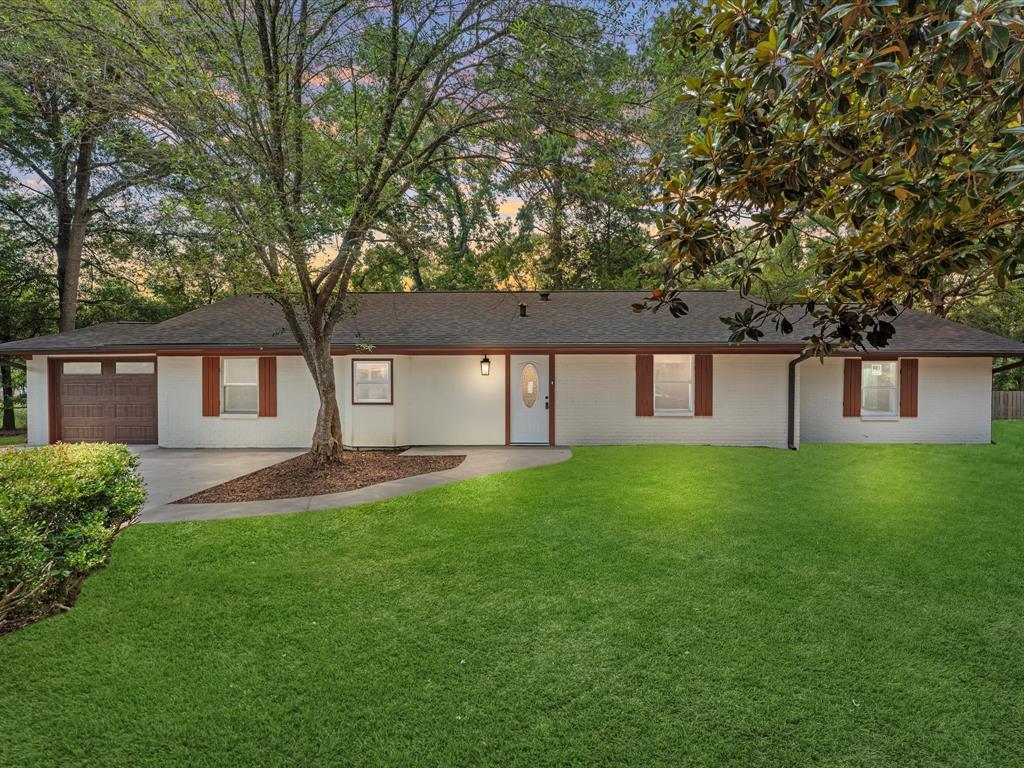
(302, 123)
(888, 135)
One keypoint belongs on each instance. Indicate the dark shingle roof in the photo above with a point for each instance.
(491, 320)
(94, 337)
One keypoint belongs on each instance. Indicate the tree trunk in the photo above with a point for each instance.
(327, 441)
(556, 236)
(72, 215)
(69, 272)
(417, 276)
(939, 297)
(313, 335)
(7, 378)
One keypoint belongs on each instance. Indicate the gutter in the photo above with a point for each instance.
(791, 415)
(197, 350)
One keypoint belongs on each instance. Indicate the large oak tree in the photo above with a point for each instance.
(303, 122)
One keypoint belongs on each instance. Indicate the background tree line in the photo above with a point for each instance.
(158, 155)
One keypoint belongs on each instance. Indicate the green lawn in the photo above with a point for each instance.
(636, 606)
(20, 420)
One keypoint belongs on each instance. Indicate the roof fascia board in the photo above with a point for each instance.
(619, 349)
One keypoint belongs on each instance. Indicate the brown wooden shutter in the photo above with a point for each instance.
(703, 384)
(268, 386)
(211, 386)
(851, 387)
(908, 387)
(645, 385)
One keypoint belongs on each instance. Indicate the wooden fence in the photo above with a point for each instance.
(1008, 404)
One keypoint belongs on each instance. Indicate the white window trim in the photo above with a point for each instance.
(876, 416)
(65, 363)
(224, 414)
(673, 412)
(150, 363)
(391, 382)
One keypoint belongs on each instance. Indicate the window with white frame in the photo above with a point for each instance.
(371, 381)
(83, 368)
(133, 366)
(240, 385)
(673, 384)
(879, 388)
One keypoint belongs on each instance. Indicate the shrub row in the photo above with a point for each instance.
(60, 508)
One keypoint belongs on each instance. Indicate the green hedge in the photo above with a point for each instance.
(60, 508)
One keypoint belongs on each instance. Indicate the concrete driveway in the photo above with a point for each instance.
(174, 473)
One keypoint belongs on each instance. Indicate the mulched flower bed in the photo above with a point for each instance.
(303, 476)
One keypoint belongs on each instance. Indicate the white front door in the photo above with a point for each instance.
(529, 399)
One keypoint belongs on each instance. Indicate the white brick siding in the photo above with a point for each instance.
(181, 424)
(36, 376)
(443, 399)
(595, 398)
(438, 400)
(449, 402)
(954, 405)
(368, 425)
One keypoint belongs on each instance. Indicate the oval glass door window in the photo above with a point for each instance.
(529, 384)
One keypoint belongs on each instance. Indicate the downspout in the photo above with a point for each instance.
(791, 423)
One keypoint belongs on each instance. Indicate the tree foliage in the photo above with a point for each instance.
(69, 133)
(564, 201)
(887, 133)
(305, 127)
(26, 296)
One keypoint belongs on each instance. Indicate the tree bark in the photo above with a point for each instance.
(312, 329)
(556, 245)
(7, 379)
(69, 272)
(72, 215)
(939, 298)
(414, 271)
(327, 444)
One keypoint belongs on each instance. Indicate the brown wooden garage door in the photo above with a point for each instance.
(112, 401)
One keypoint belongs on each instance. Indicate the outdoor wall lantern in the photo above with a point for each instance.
(485, 366)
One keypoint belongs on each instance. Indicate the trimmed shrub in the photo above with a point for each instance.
(60, 508)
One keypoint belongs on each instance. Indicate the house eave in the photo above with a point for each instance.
(193, 350)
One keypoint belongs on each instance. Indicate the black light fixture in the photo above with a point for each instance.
(485, 365)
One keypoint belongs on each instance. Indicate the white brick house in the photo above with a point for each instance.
(481, 368)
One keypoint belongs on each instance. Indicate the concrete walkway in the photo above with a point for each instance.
(174, 473)
(164, 469)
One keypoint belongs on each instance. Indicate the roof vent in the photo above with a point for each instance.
(545, 295)
(522, 309)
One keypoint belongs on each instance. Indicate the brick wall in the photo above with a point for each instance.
(182, 425)
(954, 405)
(595, 397)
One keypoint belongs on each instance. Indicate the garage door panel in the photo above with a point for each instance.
(108, 406)
(76, 390)
(126, 433)
(133, 390)
(87, 433)
(135, 411)
(83, 411)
